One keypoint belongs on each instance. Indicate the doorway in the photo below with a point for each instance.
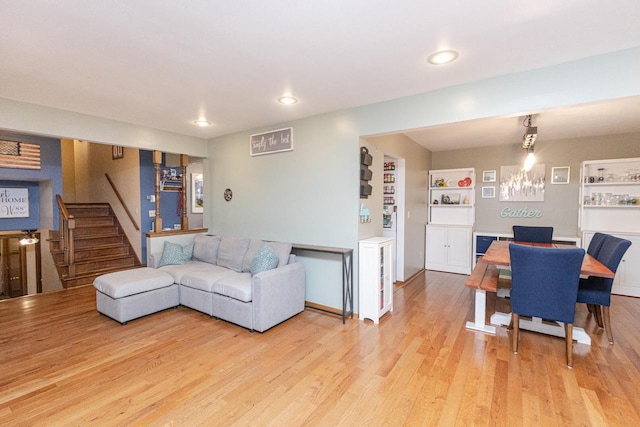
(14, 264)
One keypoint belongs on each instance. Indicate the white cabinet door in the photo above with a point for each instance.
(627, 281)
(459, 247)
(448, 248)
(436, 251)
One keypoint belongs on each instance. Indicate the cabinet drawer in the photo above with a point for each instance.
(483, 243)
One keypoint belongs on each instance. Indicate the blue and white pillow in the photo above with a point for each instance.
(265, 259)
(174, 254)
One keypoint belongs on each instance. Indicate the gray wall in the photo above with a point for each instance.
(560, 206)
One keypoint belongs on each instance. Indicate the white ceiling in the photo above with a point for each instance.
(165, 63)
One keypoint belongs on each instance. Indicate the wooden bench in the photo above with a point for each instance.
(483, 278)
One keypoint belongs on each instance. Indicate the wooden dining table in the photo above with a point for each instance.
(498, 254)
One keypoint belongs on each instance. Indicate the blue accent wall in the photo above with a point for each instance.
(169, 200)
(50, 170)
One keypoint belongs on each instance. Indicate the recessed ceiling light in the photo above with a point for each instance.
(442, 57)
(202, 123)
(287, 100)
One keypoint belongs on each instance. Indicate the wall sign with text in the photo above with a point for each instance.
(14, 203)
(274, 141)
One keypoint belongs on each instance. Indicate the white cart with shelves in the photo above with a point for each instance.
(610, 203)
(450, 219)
(375, 291)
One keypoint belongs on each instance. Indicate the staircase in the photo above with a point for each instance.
(99, 245)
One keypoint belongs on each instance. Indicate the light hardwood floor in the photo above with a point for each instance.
(61, 363)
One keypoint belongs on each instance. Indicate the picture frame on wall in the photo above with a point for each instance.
(489, 192)
(560, 175)
(489, 176)
(197, 193)
(117, 152)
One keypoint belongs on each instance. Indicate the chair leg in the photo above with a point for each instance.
(568, 333)
(597, 313)
(607, 323)
(515, 320)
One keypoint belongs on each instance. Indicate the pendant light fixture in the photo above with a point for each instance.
(29, 238)
(528, 140)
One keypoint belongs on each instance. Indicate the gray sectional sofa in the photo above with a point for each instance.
(235, 279)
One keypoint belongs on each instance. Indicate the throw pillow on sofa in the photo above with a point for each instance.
(265, 259)
(174, 254)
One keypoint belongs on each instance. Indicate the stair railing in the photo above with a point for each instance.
(67, 227)
(124, 205)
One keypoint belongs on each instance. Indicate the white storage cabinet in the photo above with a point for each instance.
(375, 266)
(610, 203)
(449, 248)
(450, 220)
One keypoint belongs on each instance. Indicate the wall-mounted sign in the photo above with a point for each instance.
(271, 142)
(520, 213)
(14, 203)
(19, 155)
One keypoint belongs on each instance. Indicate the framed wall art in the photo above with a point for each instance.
(488, 176)
(197, 193)
(488, 192)
(560, 175)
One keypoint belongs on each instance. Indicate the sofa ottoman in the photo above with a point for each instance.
(129, 294)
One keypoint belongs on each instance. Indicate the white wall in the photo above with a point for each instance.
(36, 119)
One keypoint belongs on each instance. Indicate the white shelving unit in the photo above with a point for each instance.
(610, 203)
(450, 220)
(375, 266)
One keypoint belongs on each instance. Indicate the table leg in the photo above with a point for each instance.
(481, 305)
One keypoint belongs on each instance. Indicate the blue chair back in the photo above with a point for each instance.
(597, 290)
(532, 234)
(596, 243)
(545, 281)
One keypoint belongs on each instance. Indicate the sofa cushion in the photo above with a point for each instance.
(236, 286)
(121, 284)
(178, 271)
(231, 252)
(254, 247)
(205, 248)
(174, 254)
(265, 259)
(204, 279)
(282, 249)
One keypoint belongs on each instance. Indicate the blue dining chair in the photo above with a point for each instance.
(596, 243)
(522, 233)
(544, 283)
(596, 291)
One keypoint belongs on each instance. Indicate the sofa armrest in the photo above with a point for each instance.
(154, 259)
(278, 294)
